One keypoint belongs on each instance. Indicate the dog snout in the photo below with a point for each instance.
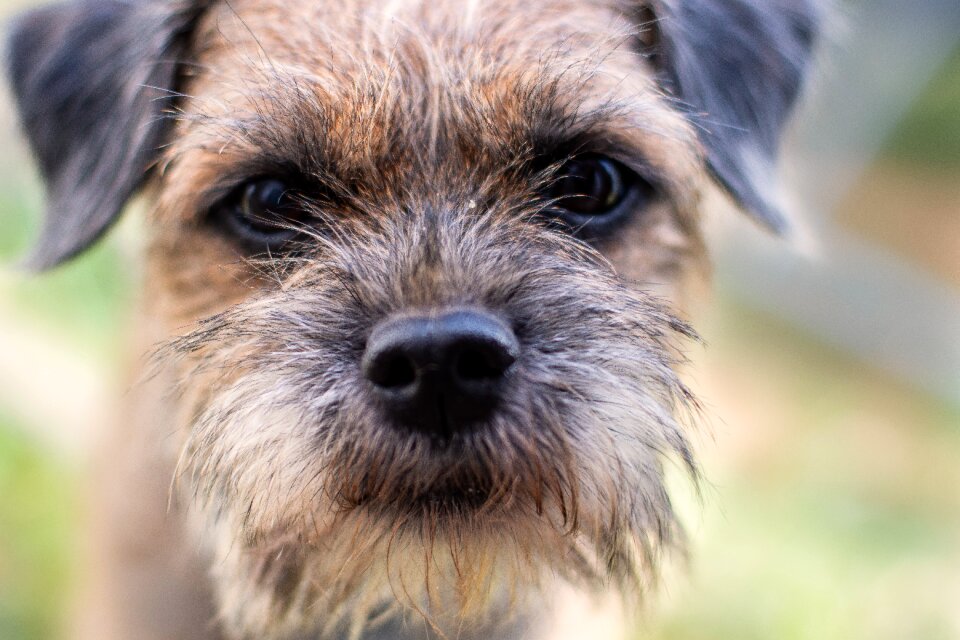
(440, 373)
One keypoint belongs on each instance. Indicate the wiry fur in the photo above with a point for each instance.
(422, 135)
(323, 509)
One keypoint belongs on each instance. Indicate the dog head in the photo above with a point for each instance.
(435, 254)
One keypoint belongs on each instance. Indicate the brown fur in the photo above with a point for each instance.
(307, 502)
(425, 123)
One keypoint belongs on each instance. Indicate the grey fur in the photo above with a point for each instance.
(736, 68)
(91, 80)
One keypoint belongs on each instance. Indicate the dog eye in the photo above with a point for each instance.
(263, 213)
(592, 190)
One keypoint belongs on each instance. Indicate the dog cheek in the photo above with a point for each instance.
(620, 426)
(259, 443)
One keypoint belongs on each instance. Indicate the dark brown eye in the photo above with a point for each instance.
(594, 190)
(263, 213)
(588, 186)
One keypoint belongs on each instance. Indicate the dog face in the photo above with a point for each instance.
(435, 254)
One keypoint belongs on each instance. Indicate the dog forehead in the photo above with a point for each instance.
(436, 45)
(519, 24)
(409, 79)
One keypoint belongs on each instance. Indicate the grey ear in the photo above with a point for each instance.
(91, 80)
(736, 67)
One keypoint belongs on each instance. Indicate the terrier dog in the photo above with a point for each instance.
(418, 271)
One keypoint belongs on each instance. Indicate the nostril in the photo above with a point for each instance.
(441, 373)
(395, 371)
(481, 363)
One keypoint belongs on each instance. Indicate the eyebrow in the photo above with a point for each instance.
(295, 131)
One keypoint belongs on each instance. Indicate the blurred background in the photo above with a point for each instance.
(831, 373)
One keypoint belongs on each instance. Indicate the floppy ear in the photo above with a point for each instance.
(91, 80)
(736, 68)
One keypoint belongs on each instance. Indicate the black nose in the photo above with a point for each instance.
(440, 374)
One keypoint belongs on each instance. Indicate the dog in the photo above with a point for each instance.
(419, 275)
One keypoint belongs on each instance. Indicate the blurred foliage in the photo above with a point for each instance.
(37, 523)
(930, 133)
(841, 517)
(87, 303)
(87, 300)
